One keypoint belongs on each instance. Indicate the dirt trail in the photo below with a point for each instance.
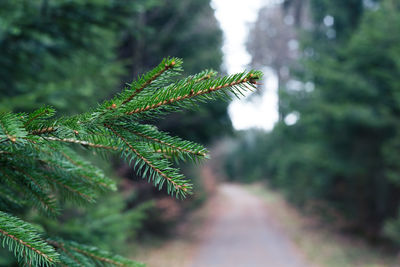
(241, 233)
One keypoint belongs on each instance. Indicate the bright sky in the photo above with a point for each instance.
(235, 17)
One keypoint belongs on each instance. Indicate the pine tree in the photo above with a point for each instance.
(40, 167)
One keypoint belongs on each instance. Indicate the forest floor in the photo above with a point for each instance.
(254, 226)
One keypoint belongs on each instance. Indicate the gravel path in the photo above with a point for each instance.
(241, 233)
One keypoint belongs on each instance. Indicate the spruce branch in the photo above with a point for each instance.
(204, 75)
(194, 89)
(153, 93)
(84, 171)
(91, 256)
(41, 113)
(39, 165)
(48, 203)
(11, 128)
(151, 76)
(149, 133)
(30, 190)
(30, 177)
(10, 198)
(68, 255)
(25, 242)
(76, 190)
(175, 181)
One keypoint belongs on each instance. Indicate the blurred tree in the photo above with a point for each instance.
(350, 113)
(273, 43)
(46, 45)
(342, 149)
(296, 9)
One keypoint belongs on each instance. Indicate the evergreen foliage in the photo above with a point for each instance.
(40, 167)
(46, 44)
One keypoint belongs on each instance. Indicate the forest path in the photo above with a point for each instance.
(241, 232)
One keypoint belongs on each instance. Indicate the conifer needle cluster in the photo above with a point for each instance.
(39, 167)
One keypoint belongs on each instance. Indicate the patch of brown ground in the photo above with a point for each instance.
(242, 233)
(232, 229)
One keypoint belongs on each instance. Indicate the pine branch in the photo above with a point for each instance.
(26, 243)
(175, 181)
(75, 190)
(76, 167)
(150, 133)
(48, 203)
(11, 128)
(42, 113)
(39, 166)
(74, 178)
(174, 94)
(11, 198)
(30, 190)
(91, 255)
(204, 75)
(150, 77)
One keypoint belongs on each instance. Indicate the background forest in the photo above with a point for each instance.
(335, 148)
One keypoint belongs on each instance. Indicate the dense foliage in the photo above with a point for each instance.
(47, 44)
(343, 150)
